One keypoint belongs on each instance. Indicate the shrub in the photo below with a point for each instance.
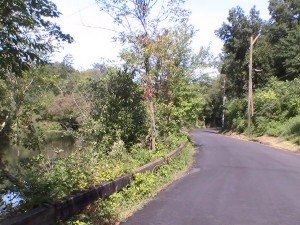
(119, 205)
(118, 111)
(276, 109)
(291, 129)
(49, 179)
(274, 128)
(235, 114)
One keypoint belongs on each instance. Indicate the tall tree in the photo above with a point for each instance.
(141, 22)
(27, 33)
(27, 36)
(174, 64)
(236, 34)
(284, 36)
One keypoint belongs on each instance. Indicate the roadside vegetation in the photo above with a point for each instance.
(118, 117)
(121, 117)
(277, 111)
(276, 70)
(119, 206)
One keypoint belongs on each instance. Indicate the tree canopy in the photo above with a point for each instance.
(27, 33)
(276, 53)
(284, 35)
(236, 34)
(141, 27)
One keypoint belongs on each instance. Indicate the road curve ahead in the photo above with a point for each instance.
(233, 182)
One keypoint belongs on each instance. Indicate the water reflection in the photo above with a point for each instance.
(13, 154)
(10, 200)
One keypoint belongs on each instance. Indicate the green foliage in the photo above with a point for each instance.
(276, 110)
(213, 93)
(283, 35)
(102, 109)
(235, 114)
(47, 179)
(143, 38)
(41, 96)
(291, 130)
(51, 179)
(185, 108)
(26, 28)
(236, 35)
(145, 186)
(179, 96)
(276, 52)
(278, 100)
(117, 110)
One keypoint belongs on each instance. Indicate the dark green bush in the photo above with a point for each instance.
(118, 110)
(276, 110)
(291, 129)
(235, 114)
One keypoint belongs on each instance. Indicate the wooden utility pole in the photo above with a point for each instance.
(224, 101)
(250, 86)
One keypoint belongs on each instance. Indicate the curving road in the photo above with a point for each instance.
(233, 182)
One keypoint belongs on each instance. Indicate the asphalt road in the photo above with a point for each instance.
(233, 182)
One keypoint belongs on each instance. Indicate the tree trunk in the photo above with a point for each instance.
(152, 125)
(149, 92)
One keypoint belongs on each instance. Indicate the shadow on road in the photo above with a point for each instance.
(214, 130)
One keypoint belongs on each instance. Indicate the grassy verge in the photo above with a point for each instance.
(277, 142)
(121, 205)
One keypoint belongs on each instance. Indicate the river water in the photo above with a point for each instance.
(12, 155)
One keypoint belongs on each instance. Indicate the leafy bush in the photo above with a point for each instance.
(276, 110)
(145, 186)
(267, 104)
(118, 111)
(49, 179)
(235, 114)
(182, 107)
(274, 128)
(291, 129)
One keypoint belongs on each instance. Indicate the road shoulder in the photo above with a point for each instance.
(275, 142)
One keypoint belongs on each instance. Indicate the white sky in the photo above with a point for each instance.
(81, 17)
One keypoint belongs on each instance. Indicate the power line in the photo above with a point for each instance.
(80, 10)
(98, 27)
(82, 22)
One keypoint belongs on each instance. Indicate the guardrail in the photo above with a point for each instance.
(61, 210)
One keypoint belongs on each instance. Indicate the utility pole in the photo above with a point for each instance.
(224, 101)
(250, 86)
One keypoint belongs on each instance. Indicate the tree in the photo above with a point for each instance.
(117, 109)
(179, 101)
(27, 34)
(236, 34)
(141, 23)
(27, 37)
(284, 36)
